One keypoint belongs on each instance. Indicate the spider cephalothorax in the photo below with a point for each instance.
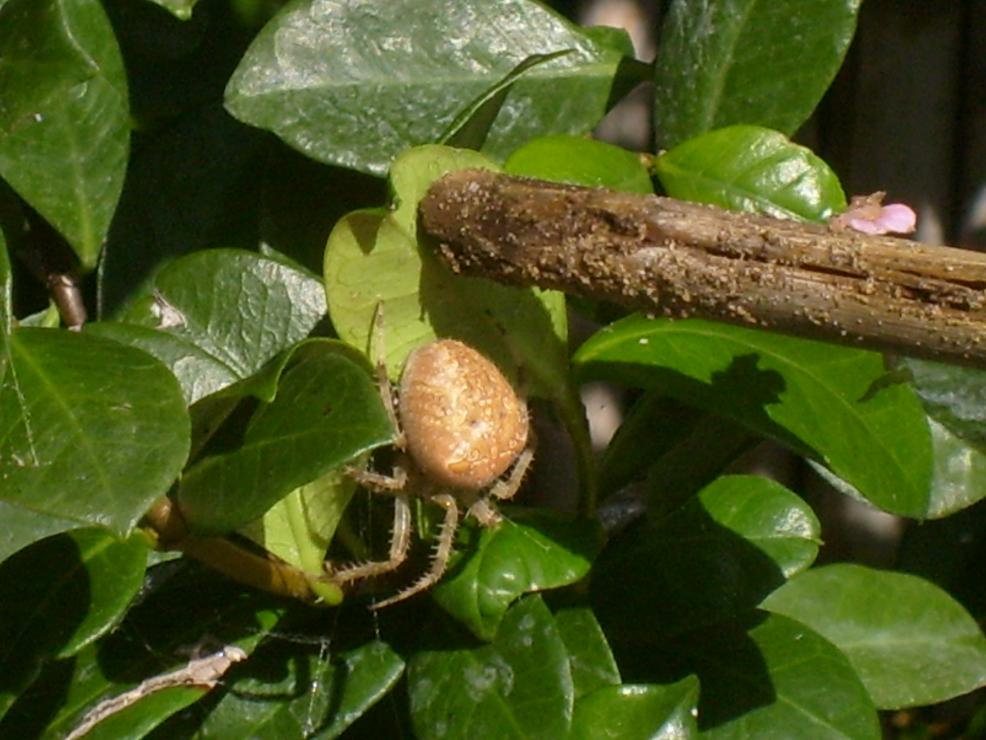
(461, 426)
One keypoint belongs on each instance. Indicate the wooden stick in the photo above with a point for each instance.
(670, 257)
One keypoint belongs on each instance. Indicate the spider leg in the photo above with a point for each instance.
(376, 349)
(380, 482)
(484, 512)
(443, 550)
(400, 542)
(506, 489)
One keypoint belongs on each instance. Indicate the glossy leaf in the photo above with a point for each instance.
(470, 128)
(835, 404)
(374, 260)
(92, 430)
(323, 75)
(638, 711)
(593, 665)
(746, 168)
(532, 553)
(309, 693)
(327, 411)
(177, 614)
(518, 686)
(720, 553)
(199, 373)
(580, 161)
(743, 61)
(42, 619)
(22, 526)
(229, 312)
(771, 677)
(913, 645)
(959, 476)
(64, 125)
(953, 397)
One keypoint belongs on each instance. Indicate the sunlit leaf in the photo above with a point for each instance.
(912, 645)
(322, 75)
(91, 430)
(746, 168)
(530, 554)
(835, 404)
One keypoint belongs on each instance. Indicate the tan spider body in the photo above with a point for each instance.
(462, 426)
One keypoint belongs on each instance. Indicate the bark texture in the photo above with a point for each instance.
(670, 257)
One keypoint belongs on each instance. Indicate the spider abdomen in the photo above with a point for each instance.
(463, 421)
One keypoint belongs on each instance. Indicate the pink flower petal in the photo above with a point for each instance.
(897, 218)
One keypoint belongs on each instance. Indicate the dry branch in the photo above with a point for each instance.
(670, 257)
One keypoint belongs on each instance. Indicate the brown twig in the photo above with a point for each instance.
(670, 257)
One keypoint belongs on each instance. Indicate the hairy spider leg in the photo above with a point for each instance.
(504, 490)
(443, 551)
(400, 543)
(483, 510)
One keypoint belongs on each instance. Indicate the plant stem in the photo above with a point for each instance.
(683, 259)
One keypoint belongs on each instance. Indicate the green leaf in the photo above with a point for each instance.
(192, 607)
(580, 161)
(180, 9)
(64, 124)
(720, 553)
(770, 677)
(746, 168)
(532, 553)
(949, 552)
(374, 261)
(199, 373)
(953, 397)
(743, 61)
(354, 84)
(95, 577)
(593, 664)
(193, 183)
(912, 645)
(666, 443)
(835, 404)
(959, 476)
(6, 309)
(299, 527)
(327, 411)
(227, 314)
(91, 430)
(309, 692)
(22, 526)
(518, 686)
(638, 711)
(471, 127)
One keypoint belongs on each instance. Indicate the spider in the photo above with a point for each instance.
(460, 428)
